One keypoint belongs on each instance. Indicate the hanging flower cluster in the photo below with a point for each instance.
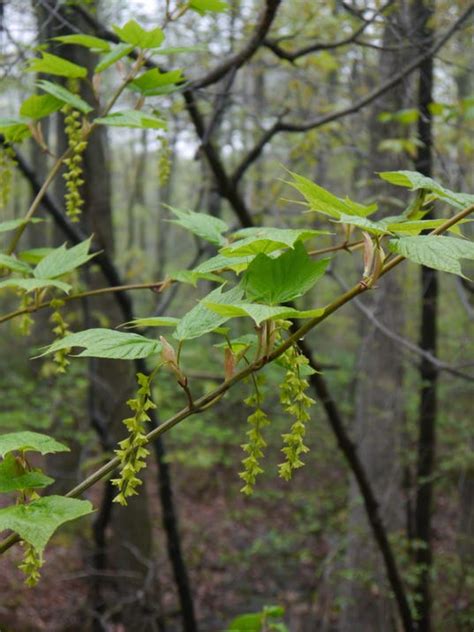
(7, 163)
(30, 565)
(296, 403)
(255, 444)
(132, 452)
(74, 173)
(60, 329)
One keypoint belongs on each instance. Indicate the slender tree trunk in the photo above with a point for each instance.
(423, 11)
(379, 387)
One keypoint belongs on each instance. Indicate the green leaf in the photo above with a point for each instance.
(376, 228)
(14, 129)
(27, 441)
(219, 262)
(321, 200)
(283, 279)
(133, 119)
(14, 264)
(437, 252)
(60, 261)
(203, 225)
(152, 321)
(239, 344)
(54, 65)
(418, 226)
(200, 320)
(88, 41)
(30, 285)
(14, 224)
(247, 623)
(114, 55)
(40, 105)
(34, 255)
(106, 343)
(133, 33)
(192, 277)
(267, 239)
(414, 180)
(153, 82)
(13, 476)
(259, 312)
(213, 6)
(64, 95)
(37, 521)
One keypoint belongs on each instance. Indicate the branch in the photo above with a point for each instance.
(234, 62)
(411, 346)
(375, 94)
(314, 48)
(287, 126)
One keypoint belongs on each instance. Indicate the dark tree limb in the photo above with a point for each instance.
(349, 449)
(290, 127)
(237, 60)
(291, 56)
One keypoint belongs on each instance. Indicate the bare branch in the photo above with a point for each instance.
(291, 56)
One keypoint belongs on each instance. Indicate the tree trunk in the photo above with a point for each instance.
(423, 11)
(379, 389)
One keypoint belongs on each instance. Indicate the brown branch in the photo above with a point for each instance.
(291, 56)
(290, 127)
(236, 61)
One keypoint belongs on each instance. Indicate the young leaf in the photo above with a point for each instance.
(54, 65)
(376, 228)
(34, 255)
(38, 106)
(61, 260)
(259, 312)
(153, 82)
(152, 321)
(133, 33)
(13, 224)
(27, 441)
(192, 277)
(203, 6)
(321, 200)
(437, 252)
(414, 180)
(418, 226)
(36, 522)
(115, 54)
(14, 264)
(64, 95)
(88, 41)
(267, 239)
(14, 130)
(30, 285)
(132, 118)
(200, 320)
(219, 262)
(203, 225)
(106, 343)
(13, 476)
(275, 281)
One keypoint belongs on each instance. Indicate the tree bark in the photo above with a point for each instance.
(379, 387)
(423, 11)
